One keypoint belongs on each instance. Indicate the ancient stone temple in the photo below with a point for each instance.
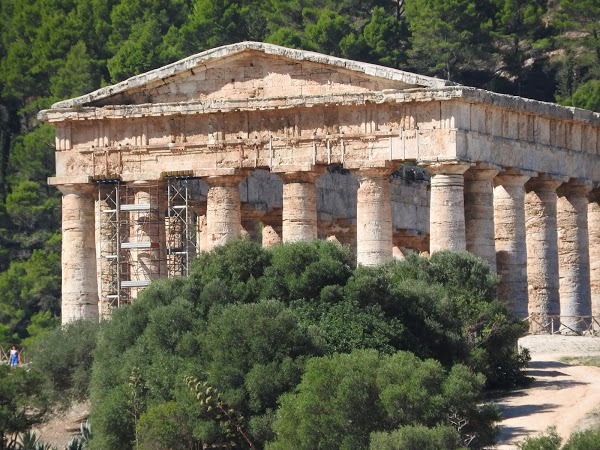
(284, 145)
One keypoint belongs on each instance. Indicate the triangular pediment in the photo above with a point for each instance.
(252, 70)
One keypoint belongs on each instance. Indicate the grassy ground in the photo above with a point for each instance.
(582, 360)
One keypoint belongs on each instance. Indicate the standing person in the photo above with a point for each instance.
(14, 357)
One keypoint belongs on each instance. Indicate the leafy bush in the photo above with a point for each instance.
(584, 440)
(164, 426)
(344, 398)
(545, 441)
(417, 437)
(248, 320)
(64, 357)
(23, 403)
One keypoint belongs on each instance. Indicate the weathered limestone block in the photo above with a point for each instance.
(479, 212)
(447, 216)
(223, 214)
(542, 252)
(299, 223)
(594, 238)
(373, 217)
(573, 254)
(79, 282)
(511, 250)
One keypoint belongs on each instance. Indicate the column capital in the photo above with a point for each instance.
(575, 186)
(301, 176)
(76, 188)
(225, 180)
(371, 172)
(594, 195)
(482, 172)
(544, 182)
(448, 167)
(513, 176)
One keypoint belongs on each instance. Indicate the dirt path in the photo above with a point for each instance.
(562, 395)
(59, 430)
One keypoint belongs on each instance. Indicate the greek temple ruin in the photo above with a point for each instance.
(283, 145)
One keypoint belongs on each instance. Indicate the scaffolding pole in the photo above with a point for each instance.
(181, 226)
(110, 234)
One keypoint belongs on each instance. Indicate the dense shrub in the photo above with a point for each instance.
(23, 403)
(247, 321)
(581, 440)
(344, 398)
(64, 357)
(417, 437)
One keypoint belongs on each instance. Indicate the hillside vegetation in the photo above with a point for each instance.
(52, 50)
(295, 348)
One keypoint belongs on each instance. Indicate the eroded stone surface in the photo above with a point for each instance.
(479, 213)
(573, 253)
(373, 217)
(542, 250)
(511, 250)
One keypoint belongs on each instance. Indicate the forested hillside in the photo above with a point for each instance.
(55, 49)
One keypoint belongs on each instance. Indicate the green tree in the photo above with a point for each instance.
(77, 76)
(386, 37)
(344, 398)
(30, 286)
(519, 28)
(64, 356)
(417, 437)
(446, 36)
(23, 403)
(164, 426)
(583, 17)
(586, 96)
(40, 325)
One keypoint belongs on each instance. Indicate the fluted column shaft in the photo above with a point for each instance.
(373, 217)
(542, 250)
(299, 223)
(447, 208)
(511, 252)
(573, 253)
(223, 214)
(594, 242)
(479, 214)
(79, 281)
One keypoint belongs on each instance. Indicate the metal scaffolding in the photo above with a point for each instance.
(110, 236)
(131, 228)
(181, 225)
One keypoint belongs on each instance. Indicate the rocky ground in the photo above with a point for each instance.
(59, 430)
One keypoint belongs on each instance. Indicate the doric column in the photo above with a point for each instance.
(573, 255)
(542, 251)
(594, 238)
(79, 282)
(147, 235)
(373, 217)
(447, 207)
(201, 231)
(479, 213)
(271, 229)
(223, 214)
(299, 222)
(511, 252)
